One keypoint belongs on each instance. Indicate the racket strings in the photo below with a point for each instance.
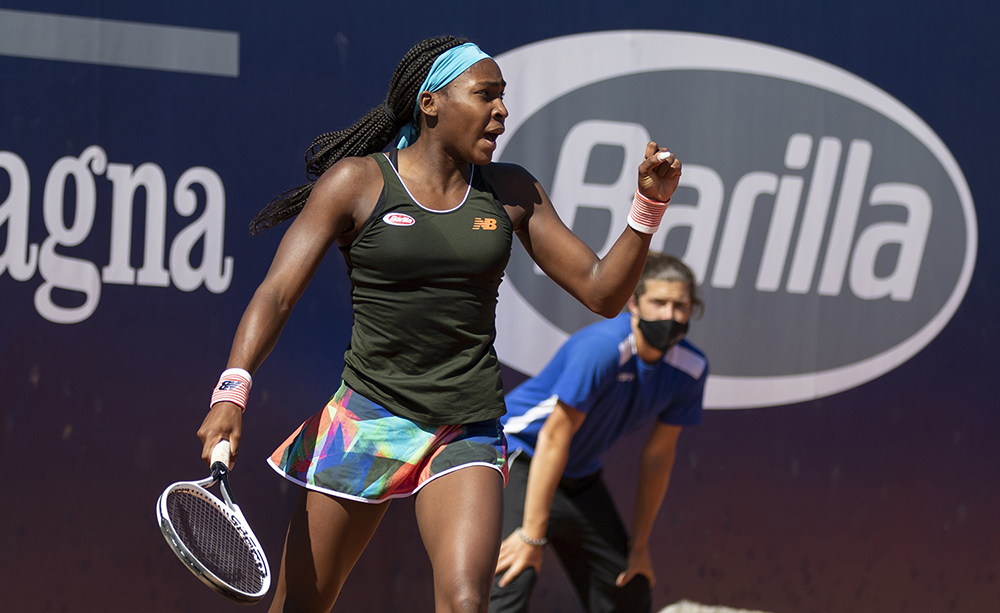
(206, 530)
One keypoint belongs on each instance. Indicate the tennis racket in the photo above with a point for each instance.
(211, 537)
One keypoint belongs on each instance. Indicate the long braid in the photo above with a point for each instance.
(370, 134)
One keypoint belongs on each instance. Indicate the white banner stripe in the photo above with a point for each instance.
(46, 36)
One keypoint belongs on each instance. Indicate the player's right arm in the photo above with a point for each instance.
(339, 203)
(547, 466)
(603, 285)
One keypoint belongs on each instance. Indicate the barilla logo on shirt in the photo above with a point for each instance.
(398, 219)
(831, 232)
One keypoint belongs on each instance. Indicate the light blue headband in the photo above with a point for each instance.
(446, 67)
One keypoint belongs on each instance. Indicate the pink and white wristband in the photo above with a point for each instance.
(646, 214)
(234, 386)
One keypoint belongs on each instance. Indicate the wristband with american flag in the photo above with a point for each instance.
(233, 386)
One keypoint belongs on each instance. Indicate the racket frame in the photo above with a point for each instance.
(232, 511)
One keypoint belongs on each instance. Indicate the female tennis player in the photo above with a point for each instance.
(426, 230)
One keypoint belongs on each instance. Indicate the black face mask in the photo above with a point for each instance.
(662, 334)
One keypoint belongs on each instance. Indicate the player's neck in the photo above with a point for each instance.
(431, 163)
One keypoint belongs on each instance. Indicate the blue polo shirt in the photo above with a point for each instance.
(598, 373)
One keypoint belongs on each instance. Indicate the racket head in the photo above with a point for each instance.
(214, 541)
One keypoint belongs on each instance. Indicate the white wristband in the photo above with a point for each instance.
(646, 214)
(234, 386)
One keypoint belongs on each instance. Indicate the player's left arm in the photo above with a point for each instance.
(654, 477)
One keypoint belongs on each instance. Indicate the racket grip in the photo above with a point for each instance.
(221, 453)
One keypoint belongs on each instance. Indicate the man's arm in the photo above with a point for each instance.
(547, 466)
(654, 477)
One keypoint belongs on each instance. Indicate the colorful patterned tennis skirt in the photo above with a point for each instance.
(356, 449)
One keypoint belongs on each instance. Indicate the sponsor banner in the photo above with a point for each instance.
(105, 176)
(832, 233)
(76, 188)
(110, 42)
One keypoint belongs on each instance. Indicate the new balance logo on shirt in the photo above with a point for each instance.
(484, 223)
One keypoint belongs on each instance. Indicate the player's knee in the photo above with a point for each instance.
(469, 599)
(463, 594)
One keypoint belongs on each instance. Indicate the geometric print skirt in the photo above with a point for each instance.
(355, 448)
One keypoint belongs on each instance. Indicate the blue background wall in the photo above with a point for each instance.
(881, 498)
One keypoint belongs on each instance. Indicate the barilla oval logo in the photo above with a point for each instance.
(398, 219)
(832, 233)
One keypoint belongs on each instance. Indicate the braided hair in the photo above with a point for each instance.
(370, 134)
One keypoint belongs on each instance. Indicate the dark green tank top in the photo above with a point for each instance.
(424, 290)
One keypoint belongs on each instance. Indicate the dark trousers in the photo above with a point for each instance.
(588, 536)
